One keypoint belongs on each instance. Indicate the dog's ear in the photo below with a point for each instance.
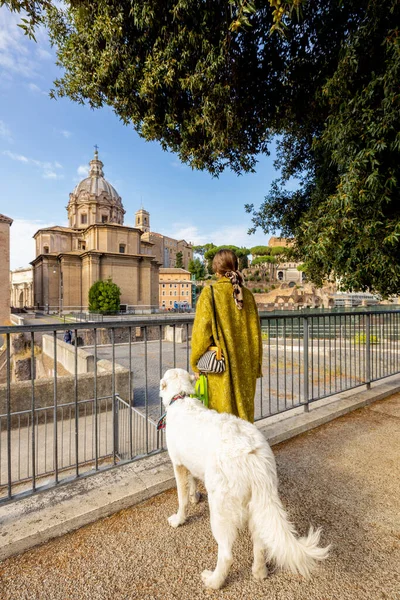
(163, 384)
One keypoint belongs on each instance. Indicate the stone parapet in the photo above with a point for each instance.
(66, 355)
(21, 391)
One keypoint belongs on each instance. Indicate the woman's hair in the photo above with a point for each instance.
(225, 260)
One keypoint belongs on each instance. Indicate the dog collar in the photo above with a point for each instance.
(162, 422)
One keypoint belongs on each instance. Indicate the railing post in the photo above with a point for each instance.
(76, 404)
(114, 401)
(305, 362)
(8, 409)
(368, 351)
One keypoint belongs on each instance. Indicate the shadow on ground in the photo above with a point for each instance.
(343, 476)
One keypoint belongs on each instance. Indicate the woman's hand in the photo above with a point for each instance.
(197, 375)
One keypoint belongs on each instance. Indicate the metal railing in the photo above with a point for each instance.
(62, 423)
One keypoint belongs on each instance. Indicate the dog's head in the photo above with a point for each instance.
(174, 382)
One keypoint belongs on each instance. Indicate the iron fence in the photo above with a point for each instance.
(85, 408)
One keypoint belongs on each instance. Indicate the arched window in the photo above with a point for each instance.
(83, 219)
(45, 249)
(280, 275)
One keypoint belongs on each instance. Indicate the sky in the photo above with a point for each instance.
(46, 145)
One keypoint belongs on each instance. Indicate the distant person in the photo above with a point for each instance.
(239, 332)
(68, 337)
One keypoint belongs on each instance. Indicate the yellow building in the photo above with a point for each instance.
(279, 241)
(95, 246)
(175, 286)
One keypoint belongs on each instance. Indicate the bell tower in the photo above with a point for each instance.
(142, 220)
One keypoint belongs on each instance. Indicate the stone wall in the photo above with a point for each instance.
(21, 392)
(66, 355)
(121, 335)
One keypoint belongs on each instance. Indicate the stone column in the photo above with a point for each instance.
(31, 294)
(5, 224)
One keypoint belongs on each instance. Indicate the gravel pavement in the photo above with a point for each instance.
(344, 476)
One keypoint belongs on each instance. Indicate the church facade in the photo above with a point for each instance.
(95, 246)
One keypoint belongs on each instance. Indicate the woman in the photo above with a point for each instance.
(239, 336)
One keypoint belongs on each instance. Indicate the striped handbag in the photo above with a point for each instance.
(212, 361)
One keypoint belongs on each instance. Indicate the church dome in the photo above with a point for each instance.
(94, 200)
(96, 186)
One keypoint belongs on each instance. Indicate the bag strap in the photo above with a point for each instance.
(214, 311)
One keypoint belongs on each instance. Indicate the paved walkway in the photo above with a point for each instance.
(344, 476)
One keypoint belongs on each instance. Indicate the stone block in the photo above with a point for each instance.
(23, 369)
(180, 334)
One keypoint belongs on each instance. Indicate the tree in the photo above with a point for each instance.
(241, 253)
(243, 258)
(104, 297)
(208, 257)
(267, 262)
(202, 249)
(346, 213)
(262, 260)
(179, 260)
(260, 250)
(210, 82)
(181, 72)
(196, 267)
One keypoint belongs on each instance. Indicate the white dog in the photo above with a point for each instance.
(238, 469)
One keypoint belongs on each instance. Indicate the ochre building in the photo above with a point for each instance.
(279, 241)
(175, 286)
(95, 246)
(165, 248)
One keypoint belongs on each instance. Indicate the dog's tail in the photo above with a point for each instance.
(269, 519)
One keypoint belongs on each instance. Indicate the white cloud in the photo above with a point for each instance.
(44, 54)
(83, 170)
(36, 89)
(22, 244)
(19, 55)
(13, 156)
(235, 235)
(64, 132)
(50, 170)
(14, 55)
(5, 132)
